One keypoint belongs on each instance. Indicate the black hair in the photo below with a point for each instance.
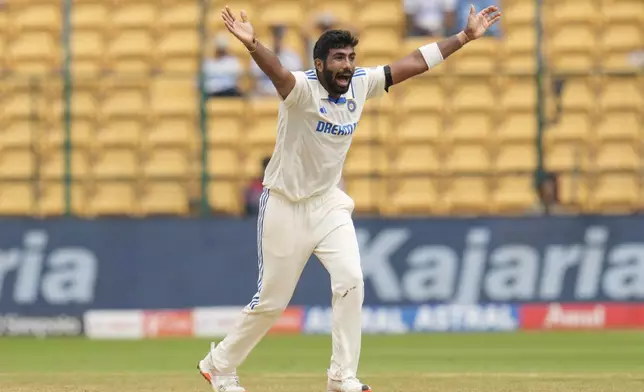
(333, 39)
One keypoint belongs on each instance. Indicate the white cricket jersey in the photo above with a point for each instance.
(314, 133)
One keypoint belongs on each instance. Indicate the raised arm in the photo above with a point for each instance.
(268, 62)
(431, 55)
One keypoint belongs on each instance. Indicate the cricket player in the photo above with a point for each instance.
(302, 210)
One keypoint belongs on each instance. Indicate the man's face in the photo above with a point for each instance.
(338, 69)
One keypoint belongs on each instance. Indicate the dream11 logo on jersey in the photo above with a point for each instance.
(62, 276)
(511, 272)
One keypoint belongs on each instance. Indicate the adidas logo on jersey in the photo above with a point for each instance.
(334, 129)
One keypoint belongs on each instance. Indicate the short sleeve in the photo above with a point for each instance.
(375, 81)
(301, 91)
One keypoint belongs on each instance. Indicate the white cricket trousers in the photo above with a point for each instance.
(287, 234)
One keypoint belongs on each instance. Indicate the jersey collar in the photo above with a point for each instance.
(339, 101)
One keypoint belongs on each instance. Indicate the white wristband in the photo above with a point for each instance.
(432, 54)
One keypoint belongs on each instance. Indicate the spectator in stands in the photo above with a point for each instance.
(430, 17)
(289, 59)
(254, 191)
(463, 10)
(548, 192)
(222, 72)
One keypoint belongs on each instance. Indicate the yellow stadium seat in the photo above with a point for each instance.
(514, 194)
(116, 163)
(618, 41)
(164, 198)
(517, 127)
(381, 13)
(52, 198)
(480, 58)
(623, 11)
(17, 164)
(124, 103)
(470, 128)
(225, 196)
(37, 17)
(520, 40)
(621, 94)
(53, 164)
(474, 96)
(16, 198)
(573, 189)
(419, 127)
(263, 131)
(519, 94)
(367, 193)
(373, 127)
(343, 11)
(130, 51)
(468, 195)
(225, 130)
(173, 132)
(379, 41)
(90, 16)
(567, 12)
(578, 95)
(113, 198)
(174, 97)
(180, 15)
(224, 162)
(283, 12)
(19, 104)
(517, 158)
(620, 126)
(88, 48)
(415, 159)
(415, 195)
(468, 159)
(166, 163)
(424, 97)
(134, 15)
(252, 160)
(18, 134)
(366, 159)
(617, 156)
(179, 51)
(574, 126)
(81, 135)
(35, 52)
(518, 13)
(616, 193)
(566, 157)
(120, 132)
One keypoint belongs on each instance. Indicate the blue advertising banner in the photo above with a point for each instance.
(60, 266)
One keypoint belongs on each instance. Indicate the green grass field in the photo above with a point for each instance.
(521, 362)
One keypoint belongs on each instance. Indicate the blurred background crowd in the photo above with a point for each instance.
(112, 107)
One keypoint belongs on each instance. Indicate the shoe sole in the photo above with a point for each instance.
(207, 377)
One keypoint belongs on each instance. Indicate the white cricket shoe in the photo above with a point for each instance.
(218, 381)
(350, 384)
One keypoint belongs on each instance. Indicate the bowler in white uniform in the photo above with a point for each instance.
(302, 209)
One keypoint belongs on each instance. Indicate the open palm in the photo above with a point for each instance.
(479, 23)
(242, 29)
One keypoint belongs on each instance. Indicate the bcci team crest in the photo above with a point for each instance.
(351, 105)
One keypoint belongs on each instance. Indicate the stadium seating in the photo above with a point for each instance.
(460, 139)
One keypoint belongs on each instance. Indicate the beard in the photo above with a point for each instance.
(332, 85)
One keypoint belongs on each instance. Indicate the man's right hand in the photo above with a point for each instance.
(243, 30)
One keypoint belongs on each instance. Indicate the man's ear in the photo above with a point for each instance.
(319, 65)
